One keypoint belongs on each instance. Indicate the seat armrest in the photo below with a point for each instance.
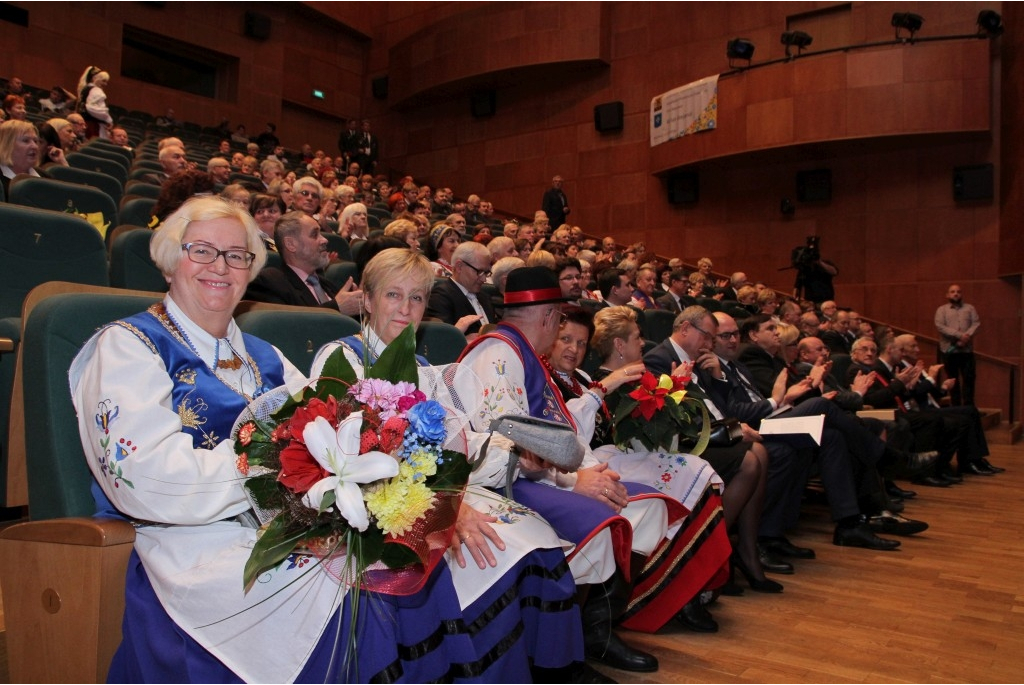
(93, 532)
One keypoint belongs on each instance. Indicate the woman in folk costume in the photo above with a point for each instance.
(156, 396)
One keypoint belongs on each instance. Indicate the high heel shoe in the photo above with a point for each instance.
(757, 585)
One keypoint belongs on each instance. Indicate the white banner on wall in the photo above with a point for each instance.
(684, 110)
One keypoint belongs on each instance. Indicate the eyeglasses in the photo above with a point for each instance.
(562, 316)
(307, 193)
(726, 335)
(201, 253)
(702, 331)
(570, 279)
(479, 272)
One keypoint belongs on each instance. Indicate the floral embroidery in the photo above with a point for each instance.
(672, 465)
(508, 511)
(113, 455)
(190, 414)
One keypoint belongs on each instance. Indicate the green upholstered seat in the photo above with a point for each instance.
(61, 196)
(130, 264)
(299, 332)
(439, 342)
(105, 182)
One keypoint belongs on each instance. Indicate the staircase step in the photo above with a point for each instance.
(1006, 433)
(990, 418)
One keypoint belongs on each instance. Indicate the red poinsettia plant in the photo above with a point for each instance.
(661, 413)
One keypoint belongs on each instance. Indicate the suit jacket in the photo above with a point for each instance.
(734, 400)
(845, 399)
(661, 357)
(837, 343)
(283, 286)
(668, 303)
(449, 304)
(883, 393)
(762, 367)
(553, 204)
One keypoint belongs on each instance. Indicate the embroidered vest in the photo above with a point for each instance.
(206, 406)
(543, 396)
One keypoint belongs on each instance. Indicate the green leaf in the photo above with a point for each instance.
(330, 497)
(398, 360)
(336, 377)
(273, 547)
(453, 474)
(705, 432)
(398, 556)
(265, 490)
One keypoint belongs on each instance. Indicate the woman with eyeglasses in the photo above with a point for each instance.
(156, 395)
(618, 341)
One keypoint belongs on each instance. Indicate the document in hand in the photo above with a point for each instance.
(798, 431)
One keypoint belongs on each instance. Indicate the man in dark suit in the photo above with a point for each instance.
(457, 300)
(836, 335)
(849, 454)
(555, 204)
(694, 337)
(299, 282)
(672, 300)
(367, 149)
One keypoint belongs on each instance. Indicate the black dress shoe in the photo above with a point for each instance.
(975, 468)
(887, 522)
(618, 654)
(932, 481)
(994, 469)
(771, 563)
(906, 464)
(894, 490)
(756, 584)
(951, 477)
(783, 547)
(861, 535)
(896, 506)
(695, 617)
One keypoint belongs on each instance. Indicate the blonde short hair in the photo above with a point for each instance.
(611, 323)
(165, 248)
(10, 131)
(400, 229)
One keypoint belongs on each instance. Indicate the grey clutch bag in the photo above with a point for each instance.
(551, 441)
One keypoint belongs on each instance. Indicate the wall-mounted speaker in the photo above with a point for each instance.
(814, 185)
(483, 104)
(608, 117)
(379, 86)
(973, 182)
(257, 25)
(683, 187)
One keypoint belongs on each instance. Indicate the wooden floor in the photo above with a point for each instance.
(947, 607)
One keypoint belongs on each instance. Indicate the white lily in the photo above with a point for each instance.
(338, 452)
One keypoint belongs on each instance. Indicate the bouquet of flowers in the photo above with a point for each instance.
(660, 414)
(355, 472)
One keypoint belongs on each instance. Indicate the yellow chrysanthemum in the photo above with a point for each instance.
(399, 505)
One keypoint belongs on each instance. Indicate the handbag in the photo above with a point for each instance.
(554, 442)
(725, 433)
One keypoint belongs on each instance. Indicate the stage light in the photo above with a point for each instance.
(991, 23)
(739, 48)
(797, 39)
(907, 21)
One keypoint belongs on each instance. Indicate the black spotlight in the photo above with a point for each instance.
(990, 23)
(739, 48)
(797, 39)
(907, 21)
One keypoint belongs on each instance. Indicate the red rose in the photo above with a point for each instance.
(314, 408)
(407, 402)
(391, 434)
(299, 470)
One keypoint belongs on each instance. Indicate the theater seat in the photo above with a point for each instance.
(439, 342)
(105, 182)
(299, 332)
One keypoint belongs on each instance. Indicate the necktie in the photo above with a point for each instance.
(752, 392)
(318, 290)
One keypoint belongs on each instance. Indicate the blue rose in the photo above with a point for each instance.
(426, 420)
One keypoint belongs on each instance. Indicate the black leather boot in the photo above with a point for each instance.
(605, 603)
